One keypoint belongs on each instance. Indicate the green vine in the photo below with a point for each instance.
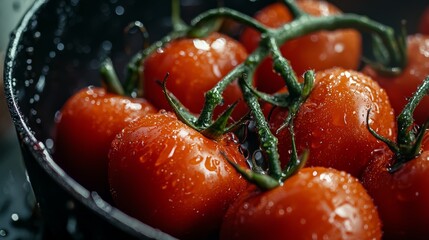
(391, 46)
(409, 140)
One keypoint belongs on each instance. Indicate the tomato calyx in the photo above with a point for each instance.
(409, 141)
(261, 179)
(216, 129)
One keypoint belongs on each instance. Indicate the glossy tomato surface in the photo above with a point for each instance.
(401, 87)
(316, 203)
(401, 197)
(173, 178)
(318, 51)
(87, 124)
(194, 67)
(332, 125)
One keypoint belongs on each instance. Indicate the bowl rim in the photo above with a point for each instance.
(90, 200)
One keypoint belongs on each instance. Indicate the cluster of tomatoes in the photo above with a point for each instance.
(137, 153)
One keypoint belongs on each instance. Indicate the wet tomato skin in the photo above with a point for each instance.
(331, 123)
(316, 203)
(401, 197)
(318, 51)
(85, 128)
(401, 87)
(173, 178)
(194, 67)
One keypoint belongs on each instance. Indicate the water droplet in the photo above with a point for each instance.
(3, 233)
(339, 48)
(29, 49)
(71, 225)
(49, 143)
(119, 10)
(37, 35)
(52, 54)
(60, 46)
(14, 217)
(316, 144)
(106, 45)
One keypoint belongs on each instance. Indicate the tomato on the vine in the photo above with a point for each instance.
(194, 65)
(402, 196)
(332, 123)
(173, 178)
(315, 203)
(85, 128)
(400, 88)
(318, 51)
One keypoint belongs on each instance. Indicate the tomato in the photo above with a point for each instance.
(401, 87)
(195, 66)
(424, 22)
(332, 125)
(87, 124)
(318, 51)
(315, 203)
(173, 178)
(401, 197)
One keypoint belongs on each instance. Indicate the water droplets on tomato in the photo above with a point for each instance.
(339, 47)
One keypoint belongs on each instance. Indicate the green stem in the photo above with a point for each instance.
(271, 40)
(109, 78)
(303, 26)
(408, 144)
(213, 97)
(282, 66)
(294, 9)
(134, 67)
(227, 13)
(267, 140)
(263, 181)
(405, 118)
(177, 22)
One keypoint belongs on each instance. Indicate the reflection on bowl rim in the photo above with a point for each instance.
(91, 200)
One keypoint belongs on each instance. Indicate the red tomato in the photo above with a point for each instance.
(318, 51)
(88, 123)
(172, 177)
(195, 66)
(401, 197)
(424, 22)
(400, 88)
(315, 203)
(332, 121)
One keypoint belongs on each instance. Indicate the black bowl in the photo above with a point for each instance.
(55, 51)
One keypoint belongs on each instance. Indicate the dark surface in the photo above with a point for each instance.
(59, 50)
